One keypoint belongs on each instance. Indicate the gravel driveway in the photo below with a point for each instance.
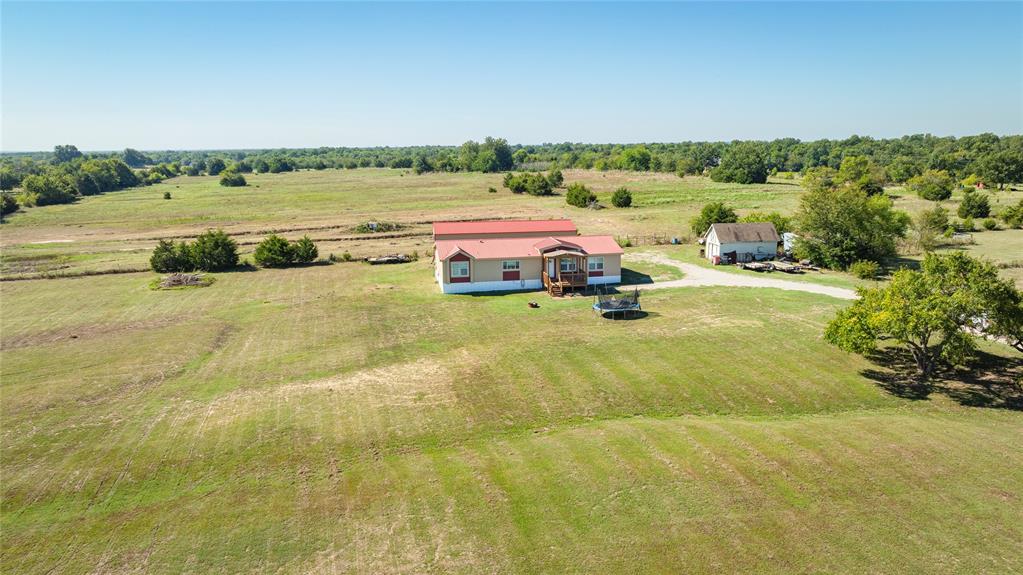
(697, 276)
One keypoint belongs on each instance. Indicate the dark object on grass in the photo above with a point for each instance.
(181, 280)
(533, 304)
(390, 259)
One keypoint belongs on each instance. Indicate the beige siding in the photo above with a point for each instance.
(613, 265)
(493, 270)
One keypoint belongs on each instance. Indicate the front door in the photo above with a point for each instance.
(552, 269)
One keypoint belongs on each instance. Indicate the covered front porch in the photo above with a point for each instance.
(564, 270)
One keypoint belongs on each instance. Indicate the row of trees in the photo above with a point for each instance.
(993, 159)
(214, 250)
(211, 251)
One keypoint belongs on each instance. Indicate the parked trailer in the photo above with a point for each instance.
(788, 267)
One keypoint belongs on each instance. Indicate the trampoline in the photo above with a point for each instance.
(608, 305)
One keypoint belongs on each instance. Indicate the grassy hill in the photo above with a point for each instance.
(349, 418)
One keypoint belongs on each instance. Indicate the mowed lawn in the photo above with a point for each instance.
(349, 418)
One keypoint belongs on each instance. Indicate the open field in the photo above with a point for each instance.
(117, 231)
(350, 418)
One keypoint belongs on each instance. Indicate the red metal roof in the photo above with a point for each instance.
(511, 248)
(554, 227)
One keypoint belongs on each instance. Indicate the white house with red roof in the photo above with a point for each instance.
(508, 255)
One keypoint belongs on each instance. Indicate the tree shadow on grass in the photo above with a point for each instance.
(991, 380)
(896, 263)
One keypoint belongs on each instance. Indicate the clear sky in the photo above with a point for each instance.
(258, 75)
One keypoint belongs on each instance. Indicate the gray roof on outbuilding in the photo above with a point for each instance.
(756, 232)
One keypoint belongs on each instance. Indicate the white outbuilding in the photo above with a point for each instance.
(732, 243)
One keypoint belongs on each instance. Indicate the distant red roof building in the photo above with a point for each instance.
(503, 228)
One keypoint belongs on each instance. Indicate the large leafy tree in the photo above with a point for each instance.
(135, 158)
(781, 223)
(215, 166)
(742, 163)
(636, 158)
(841, 225)
(1003, 167)
(49, 189)
(713, 213)
(933, 312)
(65, 153)
(861, 173)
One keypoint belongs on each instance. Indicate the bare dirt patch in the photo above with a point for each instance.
(418, 384)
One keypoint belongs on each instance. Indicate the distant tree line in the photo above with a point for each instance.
(929, 162)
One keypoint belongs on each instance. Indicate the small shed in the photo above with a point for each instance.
(734, 243)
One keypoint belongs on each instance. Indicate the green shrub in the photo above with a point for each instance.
(50, 189)
(8, 205)
(621, 198)
(865, 269)
(934, 185)
(304, 250)
(214, 250)
(624, 242)
(169, 257)
(579, 195)
(530, 183)
(347, 256)
(990, 224)
(377, 227)
(166, 195)
(492, 190)
(967, 225)
(1013, 215)
(555, 178)
(274, 251)
(232, 180)
(974, 205)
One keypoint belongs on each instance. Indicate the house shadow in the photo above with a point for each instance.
(633, 277)
(990, 380)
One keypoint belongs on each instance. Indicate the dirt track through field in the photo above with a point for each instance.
(696, 276)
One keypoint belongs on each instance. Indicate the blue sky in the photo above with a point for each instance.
(255, 75)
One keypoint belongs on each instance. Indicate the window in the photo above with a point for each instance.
(595, 264)
(567, 264)
(510, 265)
(459, 269)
